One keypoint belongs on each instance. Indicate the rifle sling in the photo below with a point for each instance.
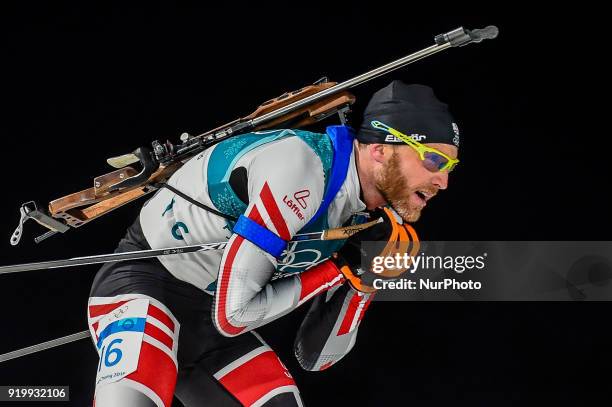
(193, 201)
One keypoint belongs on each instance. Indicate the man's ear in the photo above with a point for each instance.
(380, 153)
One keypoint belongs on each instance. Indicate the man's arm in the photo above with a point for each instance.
(245, 297)
(329, 330)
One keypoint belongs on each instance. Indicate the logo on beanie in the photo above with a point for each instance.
(456, 131)
(416, 137)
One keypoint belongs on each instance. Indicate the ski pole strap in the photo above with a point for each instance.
(193, 201)
(260, 236)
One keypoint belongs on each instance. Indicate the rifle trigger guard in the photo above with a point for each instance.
(149, 166)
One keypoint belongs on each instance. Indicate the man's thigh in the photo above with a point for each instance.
(136, 337)
(212, 368)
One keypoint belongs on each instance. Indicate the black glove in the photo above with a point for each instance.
(390, 236)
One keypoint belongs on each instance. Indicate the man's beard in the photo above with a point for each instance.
(392, 186)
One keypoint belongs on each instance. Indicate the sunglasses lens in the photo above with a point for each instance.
(434, 162)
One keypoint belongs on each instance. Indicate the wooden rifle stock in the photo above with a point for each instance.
(81, 207)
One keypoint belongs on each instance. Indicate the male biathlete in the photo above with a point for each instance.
(185, 324)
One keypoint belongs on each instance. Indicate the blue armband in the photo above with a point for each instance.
(260, 236)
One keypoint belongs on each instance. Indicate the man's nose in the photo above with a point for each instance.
(440, 179)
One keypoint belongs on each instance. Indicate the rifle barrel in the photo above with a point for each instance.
(351, 83)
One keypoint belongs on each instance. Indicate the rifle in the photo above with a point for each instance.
(156, 164)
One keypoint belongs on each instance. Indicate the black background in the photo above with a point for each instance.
(81, 85)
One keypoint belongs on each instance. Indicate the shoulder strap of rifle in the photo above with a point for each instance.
(196, 203)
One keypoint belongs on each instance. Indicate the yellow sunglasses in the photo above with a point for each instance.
(433, 160)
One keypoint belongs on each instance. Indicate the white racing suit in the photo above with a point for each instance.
(184, 324)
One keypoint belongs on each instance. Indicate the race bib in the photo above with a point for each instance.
(119, 340)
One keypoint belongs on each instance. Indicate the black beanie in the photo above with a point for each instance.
(411, 109)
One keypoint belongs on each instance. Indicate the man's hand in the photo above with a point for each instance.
(390, 237)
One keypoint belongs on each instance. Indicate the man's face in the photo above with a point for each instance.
(406, 184)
